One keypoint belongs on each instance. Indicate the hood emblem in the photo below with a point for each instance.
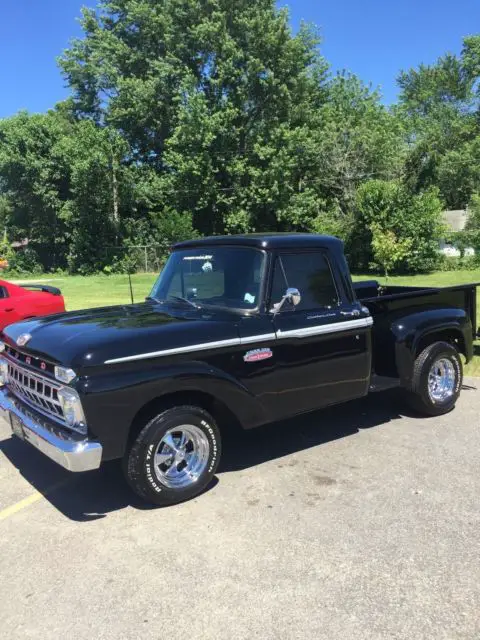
(23, 339)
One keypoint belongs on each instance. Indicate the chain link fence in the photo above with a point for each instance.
(142, 258)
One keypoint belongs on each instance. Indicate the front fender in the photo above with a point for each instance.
(410, 332)
(111, 400)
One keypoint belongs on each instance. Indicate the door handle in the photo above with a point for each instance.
(354, 313)
(9, 309)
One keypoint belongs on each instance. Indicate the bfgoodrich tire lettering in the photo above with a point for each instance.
(422, 395)
(168, 483)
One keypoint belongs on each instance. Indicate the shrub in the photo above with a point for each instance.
(388, 206)
(467, 263)
(26, 261)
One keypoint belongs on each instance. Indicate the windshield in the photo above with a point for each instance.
(221, 276)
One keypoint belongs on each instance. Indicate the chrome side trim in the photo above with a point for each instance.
(233, 342)
(332, 327)
(260, 338)
(70, 452)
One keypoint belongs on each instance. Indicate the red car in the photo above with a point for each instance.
(30, 300)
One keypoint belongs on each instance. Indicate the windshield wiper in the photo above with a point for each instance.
(186, 300)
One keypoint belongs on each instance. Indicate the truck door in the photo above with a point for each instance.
(322, 352)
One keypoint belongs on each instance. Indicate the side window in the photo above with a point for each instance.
(310, 274)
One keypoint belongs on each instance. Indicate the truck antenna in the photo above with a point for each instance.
(130, 285)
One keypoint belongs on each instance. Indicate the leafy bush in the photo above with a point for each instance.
(26, 261)
(125, 263)
(467, 263)
(18, 262)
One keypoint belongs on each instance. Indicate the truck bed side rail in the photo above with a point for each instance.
(371, 290)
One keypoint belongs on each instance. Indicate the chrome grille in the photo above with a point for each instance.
(37, 391)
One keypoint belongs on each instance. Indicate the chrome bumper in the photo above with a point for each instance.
(72, 451)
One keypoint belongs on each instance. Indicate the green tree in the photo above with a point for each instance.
(93, 212)
(230, 116)
(355, 138)
(388, 250)
(414, 222)
(34, 180)
(65, 186)
(212, 116)
(440, 106)
(216, 97)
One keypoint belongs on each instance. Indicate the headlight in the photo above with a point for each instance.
(64, 375)
(3, 372)
(2, 346)
(72, 409)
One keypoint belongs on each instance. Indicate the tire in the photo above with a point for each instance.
(174, 457)
(437, 379)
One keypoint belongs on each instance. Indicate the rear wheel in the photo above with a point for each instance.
(174, 457)
(437, 379)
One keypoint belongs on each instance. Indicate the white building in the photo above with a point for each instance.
(455, 221)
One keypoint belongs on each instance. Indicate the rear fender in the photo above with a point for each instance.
(415, 331)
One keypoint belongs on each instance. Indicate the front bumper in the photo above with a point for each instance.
(71, 451)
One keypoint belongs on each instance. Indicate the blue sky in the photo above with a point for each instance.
(372, 38)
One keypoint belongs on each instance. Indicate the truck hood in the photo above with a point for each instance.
(90, 337)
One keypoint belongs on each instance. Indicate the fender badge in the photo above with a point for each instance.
(257, 354)
(23, 339)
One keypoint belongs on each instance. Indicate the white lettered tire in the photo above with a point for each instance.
(175, 456)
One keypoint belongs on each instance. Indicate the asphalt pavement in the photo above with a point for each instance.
(360, 521)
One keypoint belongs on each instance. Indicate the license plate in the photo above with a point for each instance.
(17, 427)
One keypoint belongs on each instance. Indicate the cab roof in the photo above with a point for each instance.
(267, 241)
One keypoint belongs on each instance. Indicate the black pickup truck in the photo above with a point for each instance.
(238, 330)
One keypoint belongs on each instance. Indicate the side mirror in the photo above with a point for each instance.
(292, 295)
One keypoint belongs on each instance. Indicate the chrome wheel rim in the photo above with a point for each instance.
(181, 456)
(441, 380)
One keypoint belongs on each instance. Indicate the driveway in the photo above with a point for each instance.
(361, 521)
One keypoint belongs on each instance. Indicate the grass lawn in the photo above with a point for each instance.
(94, 291)
(82, 292)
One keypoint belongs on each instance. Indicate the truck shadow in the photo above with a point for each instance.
(245, 449)
(90, 496)
(242, 450)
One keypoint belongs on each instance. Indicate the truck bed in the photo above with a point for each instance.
(390, 298)
(388, 303)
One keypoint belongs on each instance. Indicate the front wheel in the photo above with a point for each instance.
(174, 457)
(437, 379)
